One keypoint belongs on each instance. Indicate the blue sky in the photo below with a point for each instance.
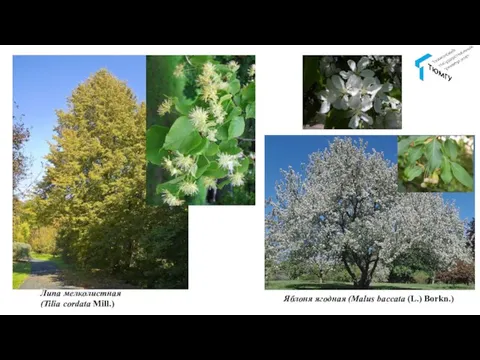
(284, 151)
(42, 84)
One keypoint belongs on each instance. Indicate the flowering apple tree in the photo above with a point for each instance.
(344, 208)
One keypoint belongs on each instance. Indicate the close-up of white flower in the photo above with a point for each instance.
(359, 106)
(165, 107)
(359, 69)
(251, 71)
(170, 199)
(333, 98)
(233, 66)
(198, 117)
(227, 161)
(185, 162)
(212, 135)
(237, 179)
(188, 188)
(218, 112)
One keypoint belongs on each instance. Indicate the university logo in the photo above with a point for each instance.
(421, 60)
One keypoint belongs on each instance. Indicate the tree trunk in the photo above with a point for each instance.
(433, 278)
(365, 280)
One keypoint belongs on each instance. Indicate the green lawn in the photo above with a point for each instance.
(21, 271)
(314, 285)
(53, 258)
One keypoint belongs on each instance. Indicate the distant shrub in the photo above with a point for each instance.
(340, 274)
(421, 277)
(401, 274)
(43, 240)
(21, 251)
(462, 273)
(21, 231)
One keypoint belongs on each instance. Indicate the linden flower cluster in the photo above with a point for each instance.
(206, 117)
(358, 89)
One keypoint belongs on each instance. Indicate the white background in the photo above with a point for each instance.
(226, 268)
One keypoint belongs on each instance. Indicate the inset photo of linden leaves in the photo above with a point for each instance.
(201, 130)
(435, 163)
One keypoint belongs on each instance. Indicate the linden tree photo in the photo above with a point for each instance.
(336, 220)
(80, 218)
(352, 92)
(201, 130)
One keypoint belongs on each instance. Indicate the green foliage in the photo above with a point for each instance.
(21, 231)
(21, 272)
(435, 163)
(401, 274)
(421, 277)
(21, 135)
(21, 251)
(43, 240)
(202, 146)
(94, 190)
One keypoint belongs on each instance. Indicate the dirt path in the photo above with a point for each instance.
(45, 275)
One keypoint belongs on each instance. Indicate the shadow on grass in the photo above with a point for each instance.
(347, 286)
(72, 277)
(342, 286)
(22, 267)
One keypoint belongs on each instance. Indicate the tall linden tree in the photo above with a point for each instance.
(346, 209)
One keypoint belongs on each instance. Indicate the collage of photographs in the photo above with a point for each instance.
(112, 153)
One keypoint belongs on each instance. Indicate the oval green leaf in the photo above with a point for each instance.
(211, 149)
(462, 175)
(451, 149)
(215, 171)
(235, 86)
(182, 136)
(434, 155)
(236, 128)
(414, 154)
(155, 140)
(446, 174)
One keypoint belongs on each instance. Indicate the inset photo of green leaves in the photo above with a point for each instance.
(201, 130)
(430, 163)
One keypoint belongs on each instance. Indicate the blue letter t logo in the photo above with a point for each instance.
(419, 61)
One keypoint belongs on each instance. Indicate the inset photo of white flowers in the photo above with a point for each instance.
(352, 92)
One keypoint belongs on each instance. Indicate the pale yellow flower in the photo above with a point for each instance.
(208, 69)
(170, 199)
(179, 71)
(227, 161)
(188, 188)
(198, 117)
(251, 71)
(212, 135)
(233, 66)
(237, 179)
(209, 92)
(204, 80)
(165, 107)
(167, 163)
(218, 112)
(210, 183)
(185, 163)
